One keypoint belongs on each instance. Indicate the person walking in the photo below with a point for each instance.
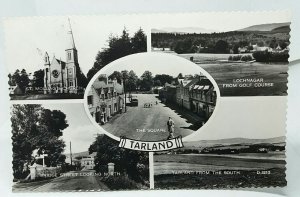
(171, 126)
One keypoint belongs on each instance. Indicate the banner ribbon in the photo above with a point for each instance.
(151, 146)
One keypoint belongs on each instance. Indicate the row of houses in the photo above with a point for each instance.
(196, 94)
(83, 160)
(105, 99)
(255, 48)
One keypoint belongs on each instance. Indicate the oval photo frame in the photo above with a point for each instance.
(156, 110)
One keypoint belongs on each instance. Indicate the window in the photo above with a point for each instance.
(90, 100)
(70, 83)
(69, 56)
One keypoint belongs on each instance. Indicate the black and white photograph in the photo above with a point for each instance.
(57, 56)
(244, 147)
(246, 53)
(151, 97)
(56, 149)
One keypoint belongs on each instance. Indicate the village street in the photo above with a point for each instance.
(71, 181)
(150, 124)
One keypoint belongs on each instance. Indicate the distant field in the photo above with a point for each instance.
(166, 164)
(244, 179)
(225, 73)
(205, 57)
(171, 170)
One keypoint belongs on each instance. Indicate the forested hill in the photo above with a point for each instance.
(268, 27)
(206, 42)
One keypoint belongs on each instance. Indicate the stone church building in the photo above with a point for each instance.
(62, 76)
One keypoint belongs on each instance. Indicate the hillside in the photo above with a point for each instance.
(265, 27)
(242, 141)
(84, 154)
(183, 30)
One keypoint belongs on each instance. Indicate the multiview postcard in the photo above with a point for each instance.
(148, 101)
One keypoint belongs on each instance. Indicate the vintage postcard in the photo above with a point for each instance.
(152, 101)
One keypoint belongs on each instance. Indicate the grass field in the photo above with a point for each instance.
(244, 179)
(180, 170)
(225, 73)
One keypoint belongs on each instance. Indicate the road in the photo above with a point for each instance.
(147, 124)
(71, 181)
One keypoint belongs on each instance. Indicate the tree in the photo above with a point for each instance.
(23, 80)
(81, 78)
(184, 46)
(146, 81)
(236, 49)
(119, 47)
(221, 47)
(131, 84)
(283, 45)
(163, 78)
(35, 128)
(20, 79)
(38, 79)
(133, 163)
(139, 42)
(116, 75)
(180, 76)
(157, 83)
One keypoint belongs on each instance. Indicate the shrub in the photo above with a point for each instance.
(120, 183)
(261, 56)
(246, 58)
(265, 56)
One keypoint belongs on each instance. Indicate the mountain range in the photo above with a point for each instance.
(271, 27)
(267, 27)
(232, 141)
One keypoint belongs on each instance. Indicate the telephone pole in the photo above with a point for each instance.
(71, 152)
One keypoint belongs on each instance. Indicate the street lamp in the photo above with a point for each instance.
(124, 93)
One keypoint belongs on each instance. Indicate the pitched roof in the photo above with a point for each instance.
(62, 63)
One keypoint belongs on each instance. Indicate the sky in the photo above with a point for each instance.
(156, 63)
(81, 132)
(27, 38)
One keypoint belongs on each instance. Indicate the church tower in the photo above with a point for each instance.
(71, 63)
(46, 72)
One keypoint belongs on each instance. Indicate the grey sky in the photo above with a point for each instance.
(81, 131)
(156, 63)
(256, 117)
(219, 21)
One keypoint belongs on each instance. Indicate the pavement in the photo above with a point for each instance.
(149, 124)
(71, 181)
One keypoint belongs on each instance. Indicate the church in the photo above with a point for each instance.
(63, 76)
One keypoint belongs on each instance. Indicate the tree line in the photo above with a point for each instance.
(223, 42)
(144, 83)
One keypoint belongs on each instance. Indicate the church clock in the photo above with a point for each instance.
(55, 73)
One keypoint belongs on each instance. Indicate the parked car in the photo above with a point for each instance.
(134, 102)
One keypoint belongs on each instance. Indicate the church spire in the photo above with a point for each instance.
(71, 44)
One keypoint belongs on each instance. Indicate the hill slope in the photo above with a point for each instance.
(205, 143)
(265, 27)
